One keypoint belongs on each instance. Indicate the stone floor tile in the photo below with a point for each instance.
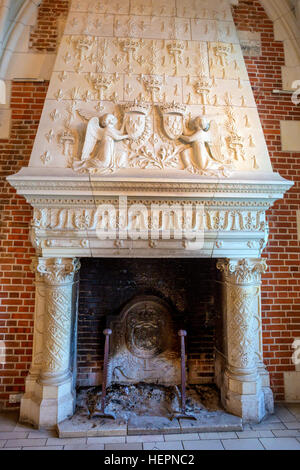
(147, 438)
(13, 435)
(294, 408)
(39, 433)
(294, 425)
(9, 418)
(106, 440)
(25, 427)
(172, 445)
(26, 443)
(282, 412)
(84, 447)
(181, 437)
(283, 443)
(254, 434)
(131, 446)
(267, 426)
(271, 419)
(207, 444)
(286, 433)
(242, 444)
(246, 427)
(56, 441)
(7, 427)
(44, 448)
(2, 442)
(217, 435)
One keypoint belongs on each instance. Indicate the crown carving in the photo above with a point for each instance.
(176, 46)
(138, 106)
(223, 49)
(83, 43)
(202, 84)
(130, 44)
(173, 108)
(101, 81)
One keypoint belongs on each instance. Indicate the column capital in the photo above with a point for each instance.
(242, 271)
(56, 271)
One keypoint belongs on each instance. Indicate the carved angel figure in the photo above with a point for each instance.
(205, 153)
(104, 159)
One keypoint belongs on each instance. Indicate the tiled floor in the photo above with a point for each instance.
(280, 431)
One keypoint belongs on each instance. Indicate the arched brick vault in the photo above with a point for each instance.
(281, 303)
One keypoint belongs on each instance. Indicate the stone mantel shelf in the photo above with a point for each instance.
(30, 182)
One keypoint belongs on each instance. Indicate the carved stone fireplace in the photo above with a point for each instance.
(149, 146)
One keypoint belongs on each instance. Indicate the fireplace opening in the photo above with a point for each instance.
(145, 302)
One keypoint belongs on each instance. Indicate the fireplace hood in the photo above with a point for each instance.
(150, 105)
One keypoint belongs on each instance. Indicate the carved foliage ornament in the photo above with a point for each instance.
(56, 270)
(242, 271)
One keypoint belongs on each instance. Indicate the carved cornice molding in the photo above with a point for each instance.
(83, 188)
(56, 271)
(242, 271)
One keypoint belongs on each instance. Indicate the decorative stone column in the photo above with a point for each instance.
(242, 389)
(51, 398)
(29, 407)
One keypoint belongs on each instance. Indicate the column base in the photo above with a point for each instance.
(44, 406)
(248, 400)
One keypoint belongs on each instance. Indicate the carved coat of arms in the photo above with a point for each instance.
(135, 119)
(173, 120)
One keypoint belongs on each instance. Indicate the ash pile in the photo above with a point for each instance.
(142, 399)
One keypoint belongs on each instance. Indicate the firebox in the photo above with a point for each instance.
(146, 302)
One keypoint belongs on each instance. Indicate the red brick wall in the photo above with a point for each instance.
(44, 36)
(281, 318)
(16, 280)
(281, 285)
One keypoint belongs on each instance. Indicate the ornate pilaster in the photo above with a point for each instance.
(243, 390)
(51, 399)
(59, 276)
(37, 351)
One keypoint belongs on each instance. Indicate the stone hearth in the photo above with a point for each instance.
(148, 409)
(149, 146)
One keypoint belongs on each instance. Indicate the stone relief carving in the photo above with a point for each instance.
(176, 141)
(104, 159)
(57, 270)
(87, 219)
(206, 156)
(244, 271)
(67, 139)
(188, 53)
(57, 334)
(241, 325)
(110, 70)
